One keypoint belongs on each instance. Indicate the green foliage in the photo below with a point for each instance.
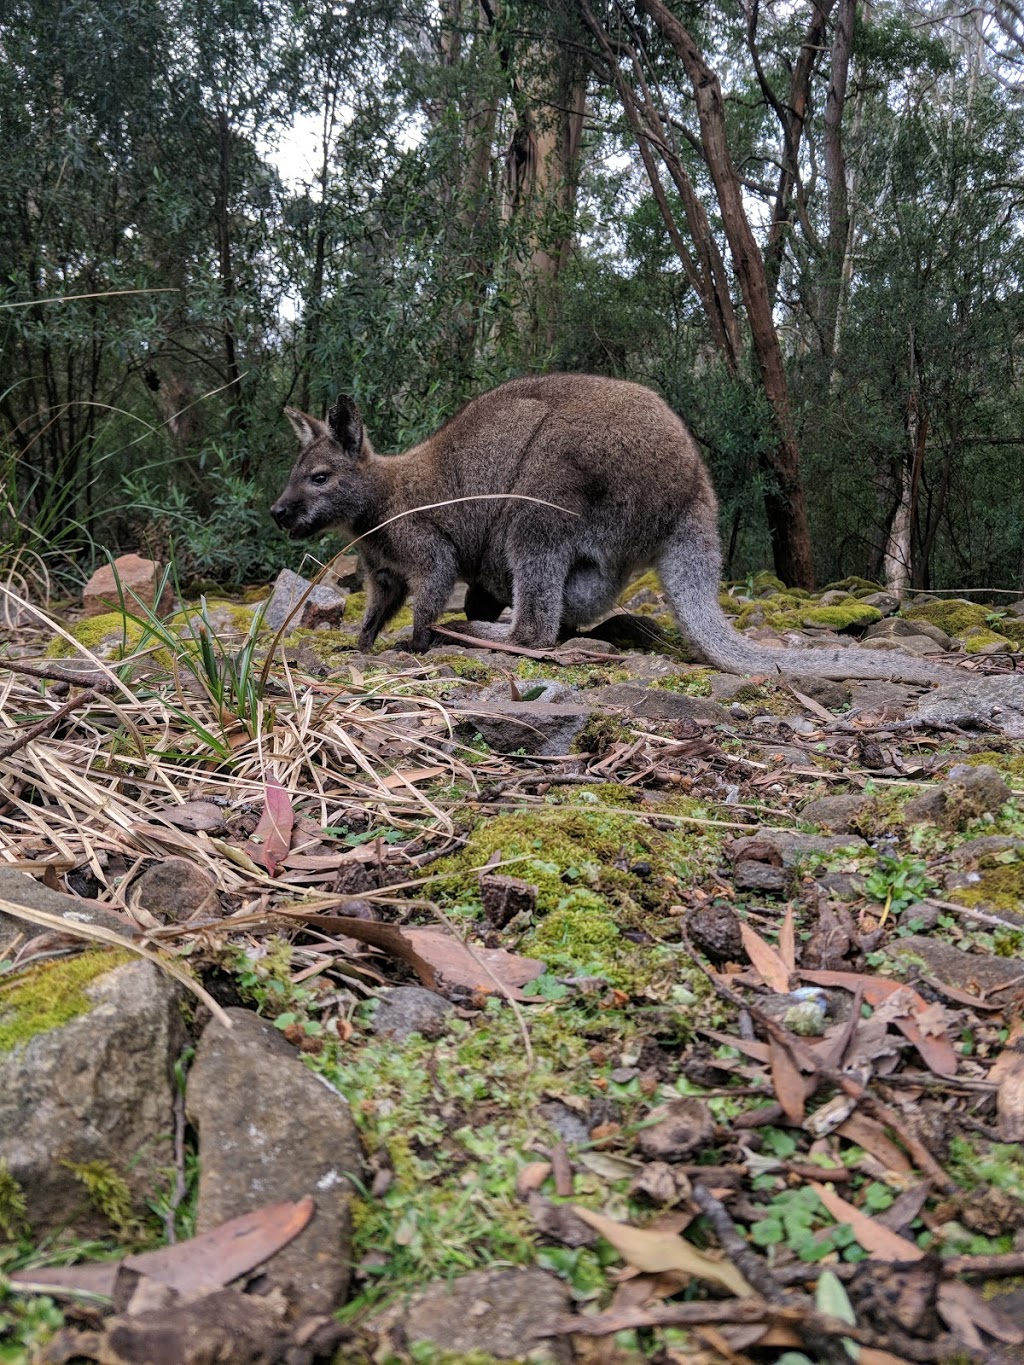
(797, 1220)
(26, 1325)
(109, 1195)
(13, 1206)
(52, 994)
(899, 882)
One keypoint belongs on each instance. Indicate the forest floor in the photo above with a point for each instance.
(676, 1016)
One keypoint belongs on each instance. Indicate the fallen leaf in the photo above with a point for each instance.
(936, 1051)
(790, 1085)
(787, 940)
(866, 1132)
(435, 956)
(209, 1261)
(768, 963)
(396, 781)
(1008, 1074)
(270, 841)
(193, 815)
(657, 1252)
(874, 1237)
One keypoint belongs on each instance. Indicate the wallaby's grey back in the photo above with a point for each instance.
(571, 484)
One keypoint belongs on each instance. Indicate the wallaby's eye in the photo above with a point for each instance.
(320, 477)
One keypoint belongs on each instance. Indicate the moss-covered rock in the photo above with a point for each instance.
(954, 615)
(108, 636)
(52, 994)
(854, 585)
(979, 639)
(1000, 887)
(784, 612)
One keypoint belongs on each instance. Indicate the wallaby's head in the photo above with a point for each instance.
(322, 489)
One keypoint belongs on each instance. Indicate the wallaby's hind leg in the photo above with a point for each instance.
(538, 586)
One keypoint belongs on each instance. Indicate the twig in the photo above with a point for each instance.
(32, 732)
(56, 672)
(969, 912)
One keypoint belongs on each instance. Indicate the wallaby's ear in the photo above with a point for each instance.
(306, 428)
(346, 424)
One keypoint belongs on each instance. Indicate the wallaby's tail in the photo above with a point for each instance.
(690, 567)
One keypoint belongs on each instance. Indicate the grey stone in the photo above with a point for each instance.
(885, 602)
(591, 644)
(406, 1010)
(918, 643)
(502, 1313)
(974, 972)
(833, 598)
(794, 847)
(898, 628)
(1016, 608)
(325, 605)
(655, 703)
(97, 1089)
(967, 793)
(270, 1130)
(975, 702)
(837, 812)
(175, 890)
(824, 691)
(24, 890)
(678, 1128)
(536, 727)
(760, 877)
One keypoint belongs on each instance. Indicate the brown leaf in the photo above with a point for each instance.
(767, 962)
(868, 1133)
(936, 1051)
(787, 940)
(208, 1261)
(965, 1311)
(656, 1252)
(1008, 1074)
(272, 837)
(396, 781)
(436, 956)
(193, 815)
(791, 1087)
(873, 1236)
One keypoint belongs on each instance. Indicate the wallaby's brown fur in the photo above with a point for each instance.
(629, 490)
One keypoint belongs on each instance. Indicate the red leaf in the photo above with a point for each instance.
(272, 837)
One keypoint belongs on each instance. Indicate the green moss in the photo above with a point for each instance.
(577, 675)
(696, 684)
(648, 582)
(231, 618)
(1012, 764)
(953, 616)
(785, 612)
(466, 667)
(729, 604)
(977, 638)
(52, 994)
(614, 794)
(110, 636)
(1012, 629)
(13, 1206)
(108, 1193)
(1000, 887)
(601, 733)
(767, 582)
(580, 931)
(605, 861)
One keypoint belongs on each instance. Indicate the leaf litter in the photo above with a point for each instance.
(336, 823)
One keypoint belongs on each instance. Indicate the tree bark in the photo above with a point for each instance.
(784, 500)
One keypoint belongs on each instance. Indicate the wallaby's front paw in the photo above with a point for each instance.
(419, 642)
(365, 641)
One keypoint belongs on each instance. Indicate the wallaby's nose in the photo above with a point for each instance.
(282, 513)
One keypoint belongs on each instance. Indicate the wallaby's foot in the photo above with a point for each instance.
(366, 640)
(420, 641)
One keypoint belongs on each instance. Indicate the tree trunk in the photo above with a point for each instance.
(784, 500)
(835, 175)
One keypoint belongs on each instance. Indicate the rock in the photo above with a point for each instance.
(505, 898)
(794, 848)
(1016, 608)
(967, 793)
(837, 812)
(976, 702)
(978, 973)
(984, 845)
(323, 609)
(715, 929)
(536, 727)
(501, 1314)
(978, 640)
(96, 1090)
(886, 602)
(655, 703)
(897, 628)
(175, 890)
(270, 1130)
(833, 598)
(755, 876)
(824, 691)
(139, 579)
(919, 644)
(592, 644)
(24, 890)
(678, 1128)
(406, 1010)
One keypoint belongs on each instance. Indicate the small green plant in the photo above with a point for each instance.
(797, 1219)
(109, 1194)
(13, 1207)
(898, 883)
(26, 1325)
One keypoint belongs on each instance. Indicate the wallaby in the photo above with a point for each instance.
(570, 484)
